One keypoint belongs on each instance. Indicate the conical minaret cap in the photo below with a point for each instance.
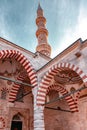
(39, 7)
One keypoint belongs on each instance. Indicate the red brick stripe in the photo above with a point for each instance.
(3, 122)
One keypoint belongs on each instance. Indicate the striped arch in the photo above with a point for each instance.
(50, 74)
(25, 63)
(59, 88)
(15, 88)
(2, 121)
(78, 94)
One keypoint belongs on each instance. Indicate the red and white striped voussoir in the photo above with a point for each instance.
(17, 55)
(74, 104)
(23, 60)
(1, 54)
(26, 63)
(75, 110)
(3, 122)
(29, 69)
(13, 54)
(46, 80)
(34, 84)
(33, 78)
(45, 83)
(31, 73)
(42, 89)
(20, 57)
(41, 100)
(15, 89)
(28, 66)
(53, 72)
(4, 53)
(59, 89)
(9, 53)
(69, 99)
(42, 94)
(13, 94)
(12, 99)
(16, 85)
(71, 103)
(64, 92)
(73, 107)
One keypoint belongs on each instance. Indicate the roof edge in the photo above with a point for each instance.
(60, 55)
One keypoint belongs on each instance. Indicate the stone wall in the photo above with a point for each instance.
(60, 120)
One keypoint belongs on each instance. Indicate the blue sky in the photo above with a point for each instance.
(66, 22)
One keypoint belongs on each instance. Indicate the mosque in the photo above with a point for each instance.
(41, 93)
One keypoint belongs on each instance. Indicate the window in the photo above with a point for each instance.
(3, 93)
(16, 117)
(20, 94)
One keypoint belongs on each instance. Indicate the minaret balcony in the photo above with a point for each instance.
(44, 47)
(41, 30)
(40, 19)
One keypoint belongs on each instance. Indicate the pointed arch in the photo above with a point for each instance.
(50, 74)
(25, 63)
(72, 104)
(15, 88)
(17, 116)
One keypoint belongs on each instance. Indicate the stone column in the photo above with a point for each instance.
(38, 114)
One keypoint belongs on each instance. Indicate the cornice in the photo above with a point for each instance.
(75, 45)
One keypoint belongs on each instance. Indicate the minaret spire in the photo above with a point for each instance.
(39, 7)
(42, 33)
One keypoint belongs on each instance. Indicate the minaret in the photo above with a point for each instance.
(42, 33)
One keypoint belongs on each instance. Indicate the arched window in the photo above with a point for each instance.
(53, 94)
(16, 117)
(20, 94)
(3, 93)
(72, 89)
(16, 122)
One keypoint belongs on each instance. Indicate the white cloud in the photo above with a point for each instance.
(74, 33)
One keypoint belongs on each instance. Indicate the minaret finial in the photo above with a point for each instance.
(39, 6)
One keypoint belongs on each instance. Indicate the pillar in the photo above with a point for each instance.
(38, 113)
